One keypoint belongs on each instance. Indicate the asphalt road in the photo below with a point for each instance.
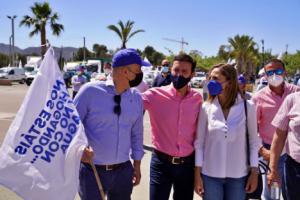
(11, 98)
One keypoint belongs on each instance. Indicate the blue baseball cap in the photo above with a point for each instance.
(242, 80)
(127, 57)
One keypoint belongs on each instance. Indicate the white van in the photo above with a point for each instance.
(13, 74)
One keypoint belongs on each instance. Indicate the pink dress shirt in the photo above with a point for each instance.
(288, 119)
(267, 104)
(173, 119)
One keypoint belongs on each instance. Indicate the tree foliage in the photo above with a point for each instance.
(42, 15)
(124, 31)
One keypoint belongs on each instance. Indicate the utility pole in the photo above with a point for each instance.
(12, 18)
(84, 49)
(10, 51)
(286, 49)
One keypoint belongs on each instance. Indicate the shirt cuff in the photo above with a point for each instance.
(137, 155)
(198, 159)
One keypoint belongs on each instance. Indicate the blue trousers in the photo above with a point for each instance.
(164, 175)
(224, 188)
(117, 184)
(292, 178)
(266, 190)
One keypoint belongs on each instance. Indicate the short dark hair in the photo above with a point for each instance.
(186, 58)
(275, 60)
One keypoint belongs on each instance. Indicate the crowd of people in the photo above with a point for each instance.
(212, 145)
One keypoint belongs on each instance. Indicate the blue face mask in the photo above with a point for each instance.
(165, 69)
(214, 87)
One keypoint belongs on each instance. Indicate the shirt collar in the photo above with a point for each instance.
(237, 101)
(176, 93)
(273, 93)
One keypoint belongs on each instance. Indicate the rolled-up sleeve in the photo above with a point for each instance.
(281, 120)
(200, 136)
(146, 96)
(254, 140)
(137, 134)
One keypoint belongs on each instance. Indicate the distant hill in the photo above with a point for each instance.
(67, 51)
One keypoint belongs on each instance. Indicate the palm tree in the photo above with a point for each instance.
(124, 32)
(42, 15)
(244, 50)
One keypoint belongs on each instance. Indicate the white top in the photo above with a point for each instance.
(221, 144)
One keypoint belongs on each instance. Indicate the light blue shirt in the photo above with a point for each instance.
(112, 137)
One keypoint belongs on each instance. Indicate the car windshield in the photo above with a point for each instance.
(28, 69)
(200, 74)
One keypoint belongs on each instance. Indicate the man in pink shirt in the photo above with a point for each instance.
(287, 122)
(268, 101)
(173, 111)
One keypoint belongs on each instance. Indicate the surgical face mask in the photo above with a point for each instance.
(137, 80)
(165, 69)
(214, 87)
(179, 81)
(275, 80)
(107, 71)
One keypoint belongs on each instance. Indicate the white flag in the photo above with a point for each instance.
(40, 155)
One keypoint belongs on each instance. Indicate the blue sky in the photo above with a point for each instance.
(205, 24)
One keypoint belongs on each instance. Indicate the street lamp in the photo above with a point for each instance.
(263, 52)
(12, 18)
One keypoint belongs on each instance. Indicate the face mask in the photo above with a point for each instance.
(179, 81)
(214, 87)
(275, 80)
(107, 71)
(165, 70)
(137, 80)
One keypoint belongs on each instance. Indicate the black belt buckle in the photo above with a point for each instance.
(176, 160)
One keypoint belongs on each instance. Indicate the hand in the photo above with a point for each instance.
(252, 182)
(273, 176)
(265, 153)
(198, 185)
(87, 155)
(136, 175)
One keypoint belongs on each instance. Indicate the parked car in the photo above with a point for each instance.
(13, 74)
(30, 77)
(149, 78)
(196, 81)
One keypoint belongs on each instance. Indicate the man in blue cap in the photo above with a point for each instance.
(242, 87)
(112, 115)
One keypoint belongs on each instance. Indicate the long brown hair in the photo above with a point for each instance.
(232, 90)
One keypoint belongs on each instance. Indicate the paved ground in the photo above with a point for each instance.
(11, 98)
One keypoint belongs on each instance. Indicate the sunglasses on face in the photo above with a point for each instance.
(117, 108)
(275, 71)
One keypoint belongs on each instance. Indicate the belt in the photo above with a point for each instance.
(292, 161)
(175, 160)
(108, 167)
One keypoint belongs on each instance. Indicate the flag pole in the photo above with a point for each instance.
(98, 180)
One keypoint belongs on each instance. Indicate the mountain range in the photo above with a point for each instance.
(67, 52)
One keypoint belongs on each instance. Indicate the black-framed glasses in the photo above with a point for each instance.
(117, 108)
(276, 71)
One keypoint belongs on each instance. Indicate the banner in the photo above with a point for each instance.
(40, 155)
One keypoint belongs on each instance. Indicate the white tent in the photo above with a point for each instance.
(148, 68)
